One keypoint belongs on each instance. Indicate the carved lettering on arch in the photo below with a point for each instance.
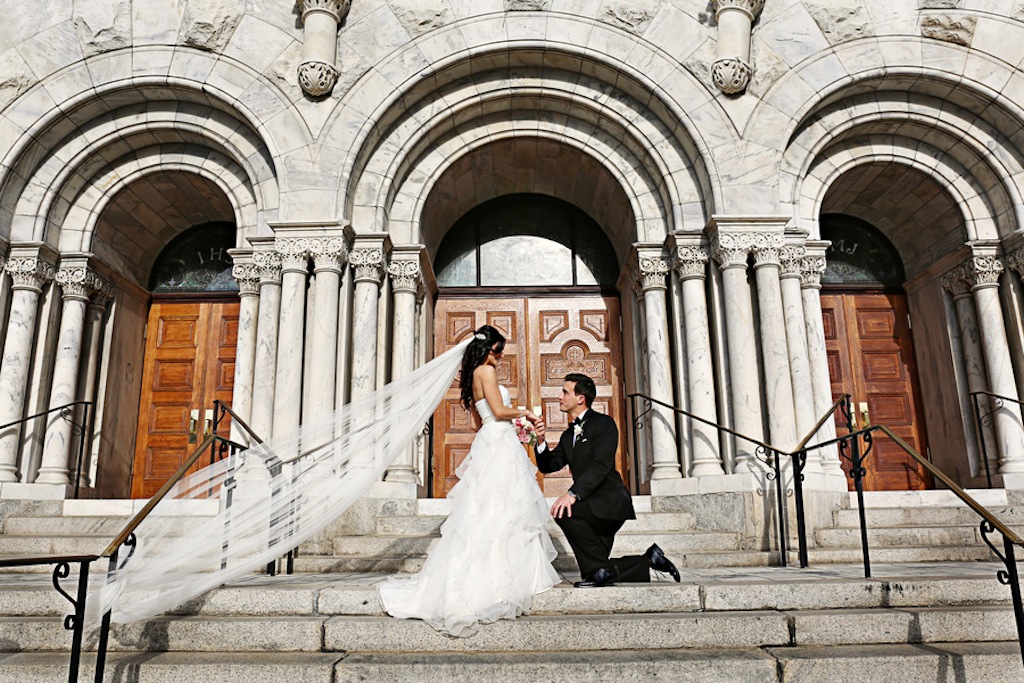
(596, 323)
(553, 323)
(459, 325)
(575, 357)
(504, 322)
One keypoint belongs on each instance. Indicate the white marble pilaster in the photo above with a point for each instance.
(791, 257)
(77, 284)
(268, 262)
(958, 284)
(778, 389)
(406, 274)
(813, 266)
(329, 255)
(651, 272)
(5, 293)
(731, 252)
(691, 260)
(368, 257)
(29, 271)
(95, 313)
(247, 274)
(291, 333)
(984, 269)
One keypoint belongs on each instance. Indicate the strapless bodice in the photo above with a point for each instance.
(486, 416)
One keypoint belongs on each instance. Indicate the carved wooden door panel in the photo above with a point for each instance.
(575, 334)
(547, 338)
(454, 321)
(190, 362)
(871, 358)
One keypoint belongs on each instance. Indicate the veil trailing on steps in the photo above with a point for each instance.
(265, 501)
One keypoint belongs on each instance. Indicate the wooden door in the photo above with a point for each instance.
(871, 358)
(547, 338)
(189, 363)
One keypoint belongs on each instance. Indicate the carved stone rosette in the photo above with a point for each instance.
(320, 18)
(406, 276)
(77, 282)
(247, 275)
(329, 253)
(29, 272)
(368, 264)
(691, 261)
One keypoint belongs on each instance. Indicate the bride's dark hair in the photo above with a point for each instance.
(484, 341)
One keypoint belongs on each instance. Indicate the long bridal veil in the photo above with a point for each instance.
(268, 499)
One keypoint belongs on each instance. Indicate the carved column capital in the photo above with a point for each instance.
(1015, 261)
(406, 276)
(984, 270)
(731, 250)
(329, 253)
(103, 294)
(269, 265)
(651, 271)
(811, 270)
(76, 282)
(791, 257)
(691, 261)
(752, 8)
(294, 253)
(337, 9)
(29, 272)
(247, 275)
(368, 264)
(767, 248)
(957, 282)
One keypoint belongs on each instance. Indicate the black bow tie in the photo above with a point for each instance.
(577, 421)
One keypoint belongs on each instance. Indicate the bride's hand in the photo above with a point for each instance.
(530, 416)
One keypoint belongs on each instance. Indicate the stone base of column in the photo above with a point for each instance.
(19, 491)
(398, 490)
(53, 476)
(401, 475)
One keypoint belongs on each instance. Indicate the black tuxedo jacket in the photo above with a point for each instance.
(592, 463)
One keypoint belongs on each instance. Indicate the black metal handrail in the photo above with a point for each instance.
(983, 421)
(83, 430)
(769, 455)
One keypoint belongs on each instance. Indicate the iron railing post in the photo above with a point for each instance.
(1013, 579)
(780, 492)
(799, 460)
(76, 622)
(858, 471)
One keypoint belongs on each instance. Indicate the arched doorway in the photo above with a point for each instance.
(191, 335)
(543, 272)
(870, 346)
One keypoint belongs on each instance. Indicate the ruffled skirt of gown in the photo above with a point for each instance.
(494, 554)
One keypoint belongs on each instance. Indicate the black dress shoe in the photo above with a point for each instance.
(661, 563)
(601, 577)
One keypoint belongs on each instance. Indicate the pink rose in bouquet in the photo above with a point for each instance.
(525, 431)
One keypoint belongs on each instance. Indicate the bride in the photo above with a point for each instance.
(494, 554)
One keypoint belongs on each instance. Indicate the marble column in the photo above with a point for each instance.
(957, 283)
(406, 275)
(329, 256)
(813, 267)
(744, 379)
(247, 275)
(77, 283)
(95, 313)
(691, 260)
(652, 270)
(791, 257)
(29, 272)
(367, 259)
(291, 333)
(778, 383)
(264, 374)
(983, 270)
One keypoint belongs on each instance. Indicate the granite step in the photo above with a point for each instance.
(824, 556)
(888, 537)
(996, 662)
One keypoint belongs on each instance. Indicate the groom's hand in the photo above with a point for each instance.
(540, 428)
(563, 506)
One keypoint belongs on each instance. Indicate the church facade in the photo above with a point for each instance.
(741, 208)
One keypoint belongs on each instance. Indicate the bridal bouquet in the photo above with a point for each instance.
(525, 431)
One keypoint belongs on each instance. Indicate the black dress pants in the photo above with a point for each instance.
(591, 539)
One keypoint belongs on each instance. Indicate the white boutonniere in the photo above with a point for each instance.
(577, 431)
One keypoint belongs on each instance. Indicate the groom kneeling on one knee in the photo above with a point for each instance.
(597, 504)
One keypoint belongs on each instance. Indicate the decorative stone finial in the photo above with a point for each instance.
(731, 70)
(320, 18)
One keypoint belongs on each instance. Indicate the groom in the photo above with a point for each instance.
(597, 503)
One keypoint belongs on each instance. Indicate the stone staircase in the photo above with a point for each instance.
(926, 614)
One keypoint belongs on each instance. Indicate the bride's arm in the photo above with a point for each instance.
(488, 380)
(474, 420)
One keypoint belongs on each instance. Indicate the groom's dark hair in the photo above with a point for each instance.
(584, 386)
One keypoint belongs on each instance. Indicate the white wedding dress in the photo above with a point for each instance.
(494, 554)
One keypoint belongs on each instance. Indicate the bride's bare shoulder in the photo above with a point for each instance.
(484, 371)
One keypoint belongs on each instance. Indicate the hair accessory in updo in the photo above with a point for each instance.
(480, 335)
